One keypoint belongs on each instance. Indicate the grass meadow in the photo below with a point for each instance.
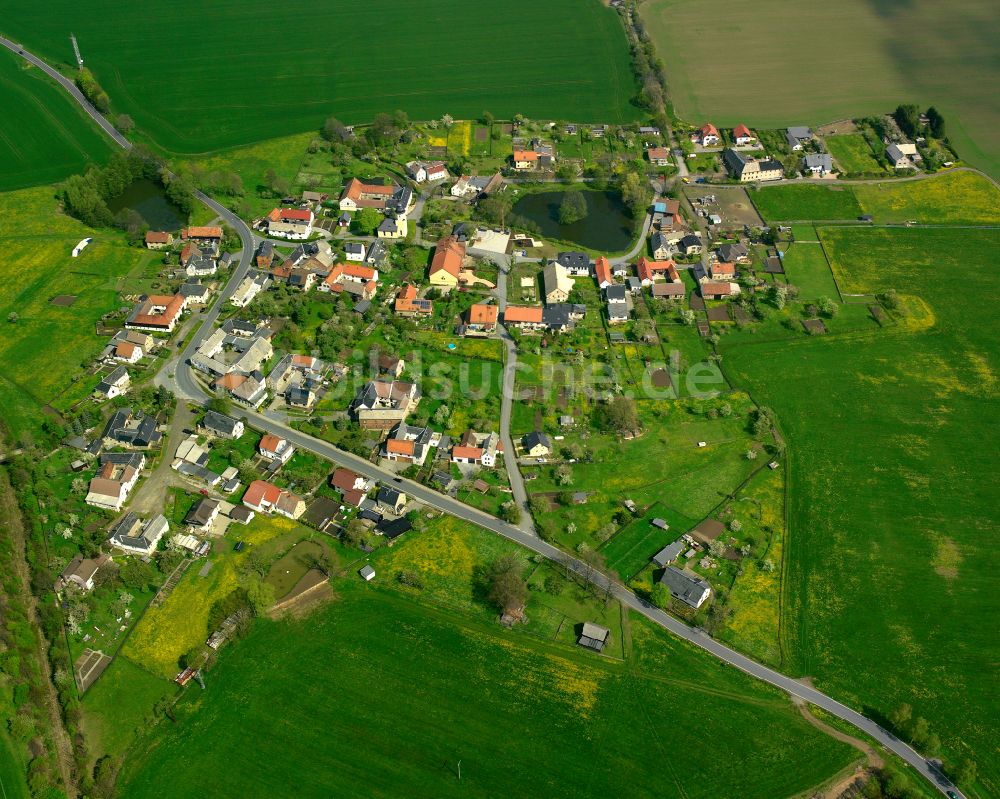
(890, 567)
(822, 62)
(381, 694)
(45, 136)
(853, 153)
(218, 89)
(806, 267)
(947, 198)
(42, 352)
(805, 201)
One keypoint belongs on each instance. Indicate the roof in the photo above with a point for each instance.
(525, 155)
(387, 495)
(574, 260)
(272, 443)
(220, 422)
(448, 256)
(716, 289)
(668, 290)
(469, 453)
(146, 315)
(658, 153)
(522, 313)
(708, 129)
(157, 237)
(203, 232)
(536, 437)
(800, 132)
(595, 631)
(742, 131)
(260, 492)
(669, 553)
(686, 586)
(647, 268)
(397, 446)
(480, 314)
(602, 270)
(294, 214)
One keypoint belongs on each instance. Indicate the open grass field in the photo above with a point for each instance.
(12, 784)
(633, 546)
(888, 439)
(382, 695)
(823, 62)
(806, 267)
(41, 353)
(220, 88)
(947, 198)
(806, 201)
(852, 152)
(45, 136)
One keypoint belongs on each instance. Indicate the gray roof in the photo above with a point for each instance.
(532, 439)
(135, 430)
(615, 293)
(219, 422)
(387, 495)
(574, 260)
(669, 553)
(202, 511)
(594, 636)
(800, 132)
(684, 585)
(732, 252)
(819, 161)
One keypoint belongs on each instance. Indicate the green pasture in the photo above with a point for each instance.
(852, 152)
(806, 267)
(801, 201)
(957, 197)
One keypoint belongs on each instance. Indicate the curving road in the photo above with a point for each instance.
(189, 386)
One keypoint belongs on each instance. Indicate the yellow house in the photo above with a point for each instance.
(392, 229)
(447, 262)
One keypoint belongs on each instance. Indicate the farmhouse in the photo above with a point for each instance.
(648, 271)
(265, 497)
(115, 384)
(690, 245)
(482, 320)
(290, 223)
(133, 535)
(903, 155)
(818, 163)
(525, 159)
(747, 168)
(158, 239)
(447, 262)
(410, 444)
(476, 186)
(381, 404)
(116, 477)
(252, 285)
(247, 390)
(576, 264)
(477, 449)
(408, 304)
(722, 270)
(594, 637)
(128, 429)
(224, 352)
(798, 137)
(602, 271)
(157, 312)
(536, 444)
(203, 514)
(196, 262)
(426, 171)
(356, 279)
(711, 290)
(206, 234)
(686, 586)
(365, 195)
(669, 291)
(221, 426)
(390, 500)
(707, 135)
(742, 137)
(275, 448)
(735, 253)
(523, 317)
(81, 572)
(558, 284)
(658, 156)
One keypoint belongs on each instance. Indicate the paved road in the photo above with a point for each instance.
(187, 385)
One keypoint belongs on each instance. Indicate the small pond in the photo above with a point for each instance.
(606, 227)
(147, 198)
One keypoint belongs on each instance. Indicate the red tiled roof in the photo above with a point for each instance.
(720, 289)
(658, 153)
(480, 314)
(708, 129)
(343, 479)
(295, 214)
(448, 256)
(525, 155)
(261, 493)
(742, 131)
(724, 269)
(172, 307)
(472, 453)
(271, 443)
(522, 313)
(602, 269)
(125, 349)
(398, 447)
(203, 232)
(647, 268)
(157, 237)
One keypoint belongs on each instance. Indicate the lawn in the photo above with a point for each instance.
(890, 566)
(42, 352)
(635, 544)
(855, 58)
(45, 136)
(852, 152)
(805, 201)
(947, 198)
(12, 783)
(806, 267)
(194, 94)
(380, 690)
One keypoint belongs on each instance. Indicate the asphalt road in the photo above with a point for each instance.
(187, 385)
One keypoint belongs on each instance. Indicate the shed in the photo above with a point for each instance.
(660, 523)
(580, 498)
(594, 636)
(669, 553)
(367, 572)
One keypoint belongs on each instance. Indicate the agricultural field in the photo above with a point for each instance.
(869, 58)
(805, 201)
(956, 197)
(194, 94)
(806, 267)
(46, 137)
(350, 713)
(852, 152)
(886, 445)
(44, 344)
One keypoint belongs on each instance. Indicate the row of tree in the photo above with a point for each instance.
(907, 116)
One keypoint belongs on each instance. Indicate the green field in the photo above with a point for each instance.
(41, 353)
(382, 696)
(852, 152)
(947, 198)
(806, 267)
(45, 136)
(805, 201)
(822, 62)
(12, 784)
(223, 86)
(634, 545)
(888, 443)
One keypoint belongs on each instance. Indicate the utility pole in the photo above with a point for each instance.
(76, 51)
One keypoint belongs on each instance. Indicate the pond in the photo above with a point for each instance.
(607, 225)
(148, 200)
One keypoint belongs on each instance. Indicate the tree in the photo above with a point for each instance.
(827, 307)
(366, 221)
(717, 548)
(487, 118)
(510, 512)
(219, 405)
(334, 130)
(966, 773)
(920, 731)
(564, 475)
(936, 122)
(908, 119)
(635, 194)
(355, 534)
(507, 589)
(441, 415)
(12, 317)
(660, 595)
(687, 316)
(232, 184)
(620, 415)
(124, 123)
(767, 566)
(901, 716)
(573, 208)
(137, 575)
(751, 454)
(260, 595)
(447, 120)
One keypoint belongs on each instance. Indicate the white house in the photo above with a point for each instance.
(275, 448)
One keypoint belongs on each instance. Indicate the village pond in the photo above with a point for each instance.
(607, 226)
(148, 199)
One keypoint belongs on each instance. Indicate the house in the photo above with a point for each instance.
(525, 159)
(301, 396)
(346, 480)
(393, 528)
(903, 155)
(410, 444)
(128, 429)
(381, 404)
(205, 234)
(290, 223)
(707, 135)
(523, 317)
(249, 390)
(447, 262)
(81, 572)
(690, 245)
(376, 254)
(353, 278)
(722, 271)
(421, 171)
(616, 297)
(275, 448)
(742, 137)
(116, 477)
(252, 285)
(221, 426)
(409, 305)
(157, 313)
(366, 195)
(686, 586)
(576, 264)
(658, 156)
(265, 497)
(746, 168)
(561, 316)
(158, 239)
(197, 263)
(669, 553)
(662, 248)
(477, 449)
(354, 251)
(392, 228)
(711, 290)
(390, 500)
(594, 636)
(367, 573)
(648, 271)
(798, 137)
(536, 444)
(416, 171)
(386, 364)
(115, 384)
(194, 291)
(669, 291)
(202, 515)
(818, 163)
(557, 283)
(647, 130)
(224, 352)
(602, 271)
(477, 186)
(482, 320)
(133, 535)
(734, 253)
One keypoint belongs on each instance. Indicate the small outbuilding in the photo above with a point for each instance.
(594, 636)
(367, 572)
(669, 553)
